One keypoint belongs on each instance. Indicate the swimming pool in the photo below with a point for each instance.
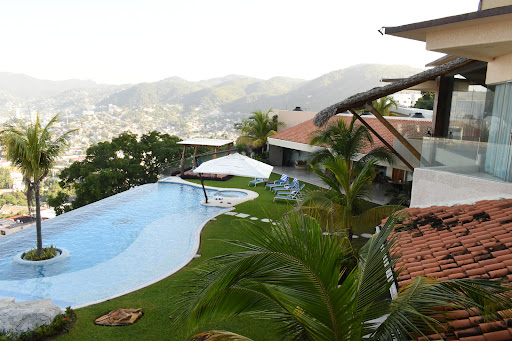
(116, 245)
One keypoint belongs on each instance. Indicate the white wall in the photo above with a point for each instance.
(436, 188)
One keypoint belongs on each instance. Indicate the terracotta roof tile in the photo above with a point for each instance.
(467, 241)
(302, 133)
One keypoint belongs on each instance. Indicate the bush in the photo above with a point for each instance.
(46, 253)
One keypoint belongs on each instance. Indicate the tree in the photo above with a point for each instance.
(115, 166)
(426, 101)
(292, 273)
(340, 207)
(384, 104)
(256, 129)
(34, 150)
(348, 143)
(5, 178)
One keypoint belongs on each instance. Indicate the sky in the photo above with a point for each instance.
(133, 41)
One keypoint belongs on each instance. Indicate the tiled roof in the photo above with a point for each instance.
(465, 241)
(302, 133)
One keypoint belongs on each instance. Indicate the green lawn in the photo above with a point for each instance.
(158, 300)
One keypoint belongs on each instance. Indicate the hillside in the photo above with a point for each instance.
(207, 108)
(328, 89)
(26, 87)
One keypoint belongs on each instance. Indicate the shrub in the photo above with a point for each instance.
(46, 253)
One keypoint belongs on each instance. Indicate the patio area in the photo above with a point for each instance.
(378, 195)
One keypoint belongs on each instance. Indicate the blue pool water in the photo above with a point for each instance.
(117, 244)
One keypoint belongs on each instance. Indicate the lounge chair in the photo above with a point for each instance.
(284, 180)
(297, 190)
(295, 196)
(286, 187)
(256, 181)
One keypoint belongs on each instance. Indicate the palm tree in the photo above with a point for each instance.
(292, 273)
(346, 141)
(340, 207)
(256, 129)
(34, 150)
(383, 104)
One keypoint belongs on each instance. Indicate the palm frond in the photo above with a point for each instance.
(219, 335)
(416, 309)
(279, 276)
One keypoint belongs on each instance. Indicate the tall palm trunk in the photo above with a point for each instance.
(38, 219)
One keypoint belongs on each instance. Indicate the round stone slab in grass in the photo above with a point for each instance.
(355, 236)
(366, 235)
(265, 220)
(253, 218)
(230, 213)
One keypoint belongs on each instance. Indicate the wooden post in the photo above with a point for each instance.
(229, 148)
(393, 131)
(442, 106)
(216, 150)
(382, 140)
(182, 170)
(195, 154)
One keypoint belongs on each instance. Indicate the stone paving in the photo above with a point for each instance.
(266, 220)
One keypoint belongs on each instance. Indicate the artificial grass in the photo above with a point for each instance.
(158, 301)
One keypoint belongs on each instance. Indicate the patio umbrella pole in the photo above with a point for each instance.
(204, 190)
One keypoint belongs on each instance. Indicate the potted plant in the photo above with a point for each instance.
(301, 164)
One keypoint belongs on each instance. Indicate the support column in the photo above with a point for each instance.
(195, 153)
(442, 106)
(182, 170)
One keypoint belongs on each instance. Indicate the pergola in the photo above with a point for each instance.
(201, 142)
(364, 100)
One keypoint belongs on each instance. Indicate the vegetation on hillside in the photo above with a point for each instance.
(115, 166)
(426, 101)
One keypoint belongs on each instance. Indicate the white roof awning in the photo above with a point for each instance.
(206, 142)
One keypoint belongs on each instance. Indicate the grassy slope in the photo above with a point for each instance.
(158, 300)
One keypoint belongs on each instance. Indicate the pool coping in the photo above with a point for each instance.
(197, 241)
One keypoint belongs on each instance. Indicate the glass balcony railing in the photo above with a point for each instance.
(472, 158)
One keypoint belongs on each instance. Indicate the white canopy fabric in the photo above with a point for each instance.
(235, 164)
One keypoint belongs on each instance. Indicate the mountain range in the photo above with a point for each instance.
(233, 93)
(178, 106)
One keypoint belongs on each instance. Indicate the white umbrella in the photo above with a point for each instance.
(235, 164)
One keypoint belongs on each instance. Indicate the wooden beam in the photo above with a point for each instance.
(382, 140)
(182, 170)
(393, 131)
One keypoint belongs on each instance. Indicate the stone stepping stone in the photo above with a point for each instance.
(355, 236)
(253, 218)
(265, 220)
(242, 215)
(230, 213)
(366, 235)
